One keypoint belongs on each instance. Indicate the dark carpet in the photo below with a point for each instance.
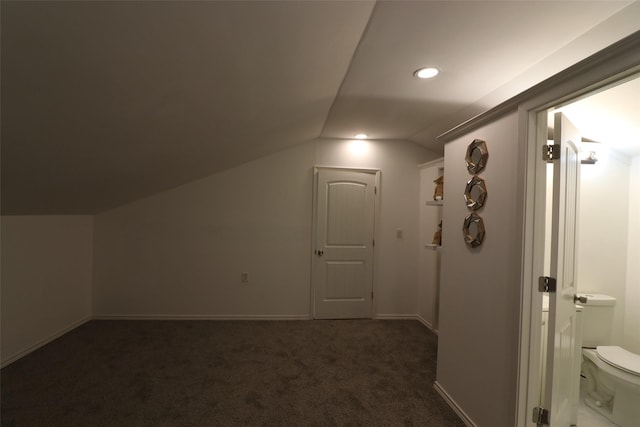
(229, 373)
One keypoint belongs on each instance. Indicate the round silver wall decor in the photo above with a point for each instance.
(477, 156)
(473, 230)
(475, 193)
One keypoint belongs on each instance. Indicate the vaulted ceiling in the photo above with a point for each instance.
(105, 102)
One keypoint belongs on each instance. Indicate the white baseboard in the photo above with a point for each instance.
(198, 317)
(427, 324)
(417, 317)
(452, 403)
(397, 317)
(9, 360)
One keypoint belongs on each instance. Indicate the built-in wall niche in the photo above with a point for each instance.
(438, 202)
(432, 196)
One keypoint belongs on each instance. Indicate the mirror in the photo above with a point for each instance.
(477, 156)
(473, 230)
(475, 193)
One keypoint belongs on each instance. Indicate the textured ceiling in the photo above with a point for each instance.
(107, 102)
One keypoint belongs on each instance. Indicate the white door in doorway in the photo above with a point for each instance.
(562, 370)
(342, 269)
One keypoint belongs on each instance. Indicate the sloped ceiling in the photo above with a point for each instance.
(107, 102)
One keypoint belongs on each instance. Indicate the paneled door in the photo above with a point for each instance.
(342, 268)
(562, 369)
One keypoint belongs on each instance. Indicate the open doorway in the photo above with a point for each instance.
(608, 231)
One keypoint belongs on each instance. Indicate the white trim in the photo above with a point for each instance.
(534, 185)
(436, 162)
(345, 168)
(312, 249)
(426, 323)
(377, 209)
(417, 317)
(397, 317)
(377, 206)
(19, 355)
(199, 317)
(452, 403)
(605, 69)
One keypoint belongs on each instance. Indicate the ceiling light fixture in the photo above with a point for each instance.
(361, 136)
(426, 73)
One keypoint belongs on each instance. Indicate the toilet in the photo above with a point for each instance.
(612, 373)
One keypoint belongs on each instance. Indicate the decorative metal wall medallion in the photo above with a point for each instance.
(473, 230)
(477, 156)
(475, 193)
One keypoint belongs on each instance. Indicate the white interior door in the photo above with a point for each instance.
(342, 270)
(562, 345)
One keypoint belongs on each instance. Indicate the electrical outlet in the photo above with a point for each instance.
(244, 277)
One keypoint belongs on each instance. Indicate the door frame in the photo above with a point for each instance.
(606, 69)
(376, 229)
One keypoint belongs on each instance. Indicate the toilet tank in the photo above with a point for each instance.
(597, 320)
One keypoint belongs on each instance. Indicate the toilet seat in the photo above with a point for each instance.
(620, 358)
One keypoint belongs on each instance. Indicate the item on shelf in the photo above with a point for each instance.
(437, 236)
(438, 193)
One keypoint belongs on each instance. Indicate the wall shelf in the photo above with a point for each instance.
(432, 246)
(435, 202)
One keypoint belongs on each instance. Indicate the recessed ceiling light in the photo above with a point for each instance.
(361, 136)
(426, 73)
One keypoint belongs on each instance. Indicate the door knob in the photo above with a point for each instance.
(580, 298)
(320, 253)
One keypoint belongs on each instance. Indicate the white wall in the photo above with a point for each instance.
(602, 236)
(480, 288)
(46, 279)
(631, 339)
(180, 253)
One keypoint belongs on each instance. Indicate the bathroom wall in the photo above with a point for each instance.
(46, 279)
(180, 253)
(631, 339)
(603, 231)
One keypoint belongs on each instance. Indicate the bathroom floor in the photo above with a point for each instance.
(587, 417)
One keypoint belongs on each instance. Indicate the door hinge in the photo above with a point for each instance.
(373, 242)
(540, 416)
(550, 153)
(375, 190)
(546, 284)
(371, 294)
